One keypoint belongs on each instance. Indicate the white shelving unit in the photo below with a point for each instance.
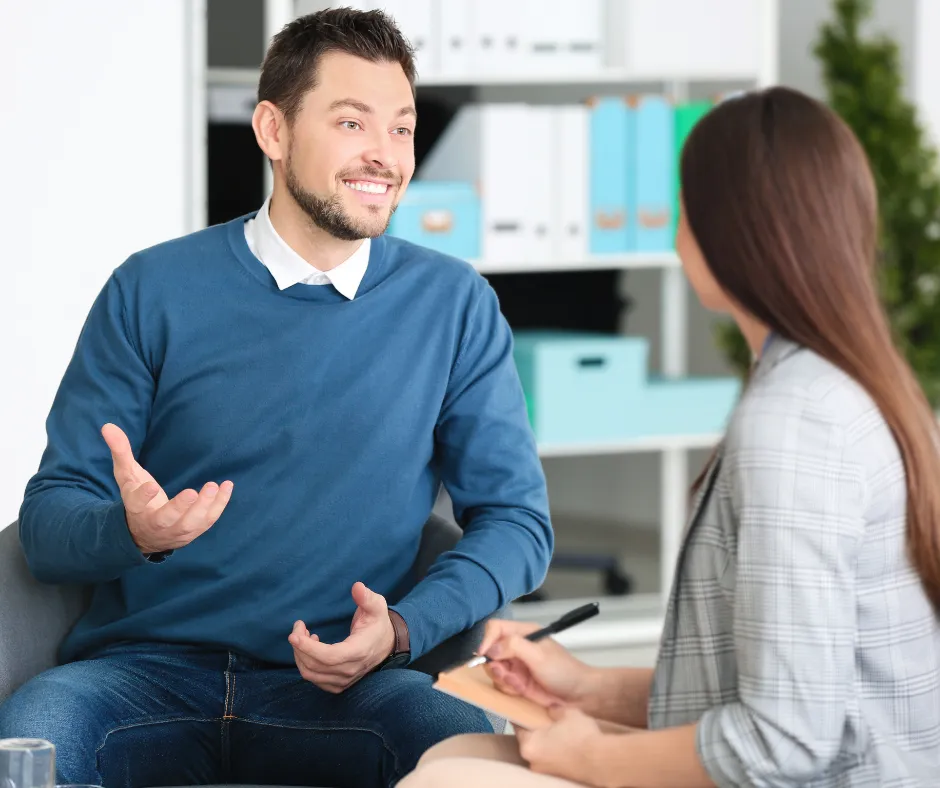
(248, 77)
(635, 619)
(619, 262)
(646, 444)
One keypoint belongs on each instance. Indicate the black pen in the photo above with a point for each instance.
(567, 621)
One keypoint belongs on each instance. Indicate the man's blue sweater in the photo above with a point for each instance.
(337, 421)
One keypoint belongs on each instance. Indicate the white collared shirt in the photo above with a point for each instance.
(289, 268)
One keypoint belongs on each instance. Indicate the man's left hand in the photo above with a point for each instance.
(337, 667)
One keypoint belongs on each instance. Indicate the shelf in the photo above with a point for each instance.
(636, 619)
(608, 76)
(248, 77)
(237, 77)
(631, 446)
(632, 260)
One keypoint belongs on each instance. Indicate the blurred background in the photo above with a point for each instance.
(546, 148)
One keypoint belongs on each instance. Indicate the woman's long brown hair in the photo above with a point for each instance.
(779, 195)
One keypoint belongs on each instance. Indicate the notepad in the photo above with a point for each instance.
(474, 686)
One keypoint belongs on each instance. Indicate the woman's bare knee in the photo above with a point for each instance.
(489, 747)
(478, 772)
(432, 775)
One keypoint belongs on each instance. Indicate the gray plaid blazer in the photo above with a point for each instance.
(797, 634)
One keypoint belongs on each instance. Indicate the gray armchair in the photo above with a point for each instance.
(34, 618)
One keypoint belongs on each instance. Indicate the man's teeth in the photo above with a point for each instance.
(363, 186)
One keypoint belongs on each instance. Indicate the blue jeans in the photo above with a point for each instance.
(161, 715)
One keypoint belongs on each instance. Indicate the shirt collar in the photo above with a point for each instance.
(776, 349)
(288, 268)
(767, 341)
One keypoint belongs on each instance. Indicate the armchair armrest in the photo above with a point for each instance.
(441, 535)
(34, 618)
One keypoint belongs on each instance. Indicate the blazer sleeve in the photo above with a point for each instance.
(798, 497)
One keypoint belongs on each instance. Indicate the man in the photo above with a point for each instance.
(278, 400)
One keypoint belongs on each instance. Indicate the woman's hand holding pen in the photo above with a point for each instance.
(547, 674)
(543, 672)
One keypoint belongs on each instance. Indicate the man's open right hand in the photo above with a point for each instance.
(156, 523)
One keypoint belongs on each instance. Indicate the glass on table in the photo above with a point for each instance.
(27, 763)
(76, 785)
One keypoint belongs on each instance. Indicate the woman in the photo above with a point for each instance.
(801, 644)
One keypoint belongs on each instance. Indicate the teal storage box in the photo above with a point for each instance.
(689, 406)
(444, 216)
(579, 386)
(590, 388)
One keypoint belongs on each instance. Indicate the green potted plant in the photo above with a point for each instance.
(863, 79)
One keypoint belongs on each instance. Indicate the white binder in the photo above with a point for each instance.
(544, 44)
(582, 36)
(489, 145)
(558, 41)
(456, 37)
(539, 190)
(416, 20)
(571, 195)
(304, 7)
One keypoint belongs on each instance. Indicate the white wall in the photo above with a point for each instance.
(94, 131)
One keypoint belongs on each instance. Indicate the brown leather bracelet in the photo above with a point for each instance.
(402, 638)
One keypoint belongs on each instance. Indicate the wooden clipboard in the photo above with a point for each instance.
(474, 686)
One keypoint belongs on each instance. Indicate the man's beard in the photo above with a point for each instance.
(328, 214)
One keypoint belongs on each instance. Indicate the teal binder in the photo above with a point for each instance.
(611, 140)
(653, 164)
